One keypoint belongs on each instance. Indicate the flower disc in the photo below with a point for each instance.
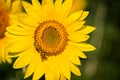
(50, 38)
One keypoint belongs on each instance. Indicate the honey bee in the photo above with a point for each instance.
(43, 56)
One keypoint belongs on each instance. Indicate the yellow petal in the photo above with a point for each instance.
(58, 4)
(55, 71)
(32, 66)
(0, 61)
(8, 4)
(2, 55)
(39, 71)
(62, 77)
(37, 8)
(6, 51)
(83, 46)
(29, 20)
(28, 7)
(76, 50)
(12, 55)
(78, 5)
(73, 17)
(62, 10)
(18, 46)
(48, 10)
(71, 53)
(74, 26)
(15, 21)
(3, 50)
(2, 47)
(84, 15)
(30, 69)
(75, 69)
(8, 59)
(16, 6)
(31, 10)
(25, 59)
(87, 29)
(66, 7)
(9, 35)
(19, 31)
(44, 2)
(36, 4)
(78, 37)
(65, 68)
(16, 37)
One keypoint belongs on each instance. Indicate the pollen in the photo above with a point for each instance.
(4, 20)
(50, 38)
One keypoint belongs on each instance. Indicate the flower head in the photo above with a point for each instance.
(49, 40)
(7, 7)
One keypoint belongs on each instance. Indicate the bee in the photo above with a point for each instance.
(42, 53)
(43, 56)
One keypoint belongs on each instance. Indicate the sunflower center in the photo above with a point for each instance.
(4, 20)
(50, 38)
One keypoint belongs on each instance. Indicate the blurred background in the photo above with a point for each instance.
(102, 64)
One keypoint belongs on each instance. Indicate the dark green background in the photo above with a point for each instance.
(102, 64)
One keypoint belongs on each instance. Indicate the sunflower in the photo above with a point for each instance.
(7, 7)
(48, 40)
